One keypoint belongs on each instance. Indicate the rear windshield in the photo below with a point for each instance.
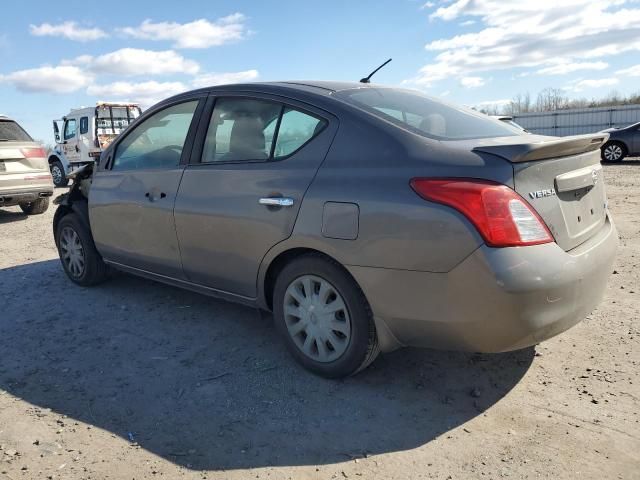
(10, 131)
(418, 113)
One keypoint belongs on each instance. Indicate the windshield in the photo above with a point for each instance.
(10, 131)
(418, 113)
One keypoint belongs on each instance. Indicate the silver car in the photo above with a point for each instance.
(24, 171)
(365, 218)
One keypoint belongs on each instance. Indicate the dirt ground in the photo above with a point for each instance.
(133, 380)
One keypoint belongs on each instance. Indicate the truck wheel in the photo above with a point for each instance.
(36, 207)
(81, 261)
(57, 172)
(324, 317)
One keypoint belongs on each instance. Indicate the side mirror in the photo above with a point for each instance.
(56, 131)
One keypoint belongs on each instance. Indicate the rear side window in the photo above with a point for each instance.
(238, 130)
(296, 129)
(418, 113)
(84, 125)
(243, 129)
(10, 131)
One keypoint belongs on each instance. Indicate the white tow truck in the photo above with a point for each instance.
(83, 133)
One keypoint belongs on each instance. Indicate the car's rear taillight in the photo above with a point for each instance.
(501, 216)
(35, 152)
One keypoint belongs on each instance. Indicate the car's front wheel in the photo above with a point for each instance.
(324, 317)
(613, 152)
(81, 261)
(36, 207)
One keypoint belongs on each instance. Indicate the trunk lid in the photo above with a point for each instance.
(561, 178)
(13, 161)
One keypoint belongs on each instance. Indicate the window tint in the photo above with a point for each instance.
(84, 125)
(240, 129)
(296, 129)
(429, 117)
(158, 141)
(69, 129)
(12, 132)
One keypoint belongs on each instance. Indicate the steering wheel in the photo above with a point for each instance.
(177, 148)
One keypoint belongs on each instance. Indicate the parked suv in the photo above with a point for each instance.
(24, 172)
(366, 218)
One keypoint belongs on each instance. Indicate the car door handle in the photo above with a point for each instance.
(152, 196)
(276, 201)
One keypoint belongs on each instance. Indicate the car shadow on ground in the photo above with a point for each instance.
(631, 161)
(7, 216)
(208, 385)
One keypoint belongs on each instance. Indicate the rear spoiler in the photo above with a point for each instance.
(561, 147)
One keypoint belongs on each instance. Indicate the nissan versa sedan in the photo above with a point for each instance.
(366, 218)
(24, 171)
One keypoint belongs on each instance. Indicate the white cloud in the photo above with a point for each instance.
(565, 68)
(427, 5)
(197, 34)
(530, 34)
(145, 93)
(472, 82)
(47, 79)
(210, 79)
(497, 103)
(135, 61)
(466, 23)
(70, 30)
(581, 85)
(630, 72)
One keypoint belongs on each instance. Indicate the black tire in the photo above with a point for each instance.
(57, 172)
(613, 152)
(94, 270)
(362, 348)
(37, 207)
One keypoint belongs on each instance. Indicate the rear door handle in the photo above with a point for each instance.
(153, 196)
(276, 201)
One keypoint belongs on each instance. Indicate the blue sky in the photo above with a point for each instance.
(58, 55)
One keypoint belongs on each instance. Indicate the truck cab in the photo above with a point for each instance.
(83, 133)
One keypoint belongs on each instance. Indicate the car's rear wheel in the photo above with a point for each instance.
(57, 173)
(81, 261)
(36, 207)
(613, 152)
(324, 317)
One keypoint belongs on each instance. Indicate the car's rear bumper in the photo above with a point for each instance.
(498, 299)
(18, 196)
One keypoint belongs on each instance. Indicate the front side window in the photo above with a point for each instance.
(70, 129)
(244, 129)
(158, 141)
(239, 131)
(84, 125)
(429, 117)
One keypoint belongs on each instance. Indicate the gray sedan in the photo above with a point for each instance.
(622, 142)
(366, 218)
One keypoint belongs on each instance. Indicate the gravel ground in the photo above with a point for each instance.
(134, 379)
